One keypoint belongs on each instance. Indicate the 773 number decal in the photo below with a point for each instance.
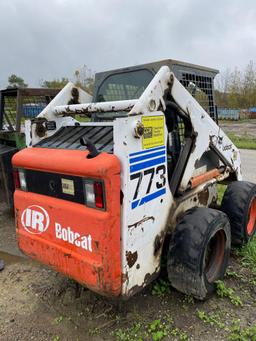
(156, 179)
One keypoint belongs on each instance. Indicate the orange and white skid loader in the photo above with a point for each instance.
(98, 200)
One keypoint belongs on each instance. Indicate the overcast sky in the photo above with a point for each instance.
(47, 39)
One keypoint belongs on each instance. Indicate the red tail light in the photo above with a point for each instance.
(94, 193)
(16, 178)
(19, 176)
(99, 198)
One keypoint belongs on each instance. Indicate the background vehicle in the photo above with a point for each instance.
(99, 200)
(16, 105)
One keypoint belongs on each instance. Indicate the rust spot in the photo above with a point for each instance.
(68, 255)
(135, 225)
(40, 129)
(147, 279)
(96, 243)
(203, 197)
(131, 258)
(75, 96)
(124, 277)
(150, 277)
(100, 277)
(158, 243)
(121, 197)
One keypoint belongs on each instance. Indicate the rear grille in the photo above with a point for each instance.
(201, 87)
(69, 138)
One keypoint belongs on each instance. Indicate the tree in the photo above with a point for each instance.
(249, 85)
(55, 83)
(16, 82)
(237, 88)
(234, 89)
(84, 78)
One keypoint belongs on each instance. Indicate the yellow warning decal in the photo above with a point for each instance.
(68, 186)
(153, 131)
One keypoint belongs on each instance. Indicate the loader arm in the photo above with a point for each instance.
(207, 134)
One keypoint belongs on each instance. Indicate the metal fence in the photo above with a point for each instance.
(18, 104)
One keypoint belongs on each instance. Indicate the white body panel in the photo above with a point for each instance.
(144, 216)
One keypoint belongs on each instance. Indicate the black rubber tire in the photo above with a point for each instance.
(236, 204)
(188, 270)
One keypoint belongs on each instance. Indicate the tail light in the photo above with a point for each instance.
(98, 191)
(16, 178)
(94, 194)
(20, 179)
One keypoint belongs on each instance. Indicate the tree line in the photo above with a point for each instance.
(233, 88)
(236, 88)
(83, 77)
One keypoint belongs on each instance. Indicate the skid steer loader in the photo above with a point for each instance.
(99, 200)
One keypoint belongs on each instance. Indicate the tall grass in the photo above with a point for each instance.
(243, 142)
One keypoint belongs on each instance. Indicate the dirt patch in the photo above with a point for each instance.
(240, 128)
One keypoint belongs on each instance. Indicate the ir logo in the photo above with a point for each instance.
(35, 219)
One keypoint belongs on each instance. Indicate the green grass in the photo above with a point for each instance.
(156, 330)
(224, 291)
(243, 142)
(221, 190)
(248, 254)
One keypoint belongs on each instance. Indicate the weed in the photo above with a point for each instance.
(242, 334)
(161, 288)
(248, 254)
(223, 291)
(58, 320)
(233, 274)
(253, 281)
(56, 338)
(157, 330)
(212, 319)
(94, 331)
(181, 334)
(129, 334)
(189, 299)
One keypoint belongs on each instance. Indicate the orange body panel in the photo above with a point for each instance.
(96, 265)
